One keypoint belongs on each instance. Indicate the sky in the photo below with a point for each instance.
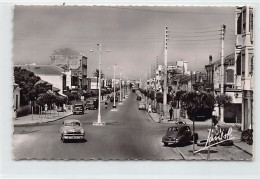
(134, 35)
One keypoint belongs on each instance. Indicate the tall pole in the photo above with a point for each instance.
(223, 28)
(99, 84)
(120, 85)
(155, 85)
(114, 86)
(165, 75)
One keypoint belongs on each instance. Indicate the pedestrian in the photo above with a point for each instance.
(150, 108)
(171, 113)
(105, 104)
(160, 118)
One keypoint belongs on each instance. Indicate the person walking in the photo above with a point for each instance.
(171, 113)
(150, 108)
(106, 105)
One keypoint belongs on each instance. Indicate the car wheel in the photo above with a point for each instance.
(165, 143)
(196, 138)
(64, 140)
(182, 141)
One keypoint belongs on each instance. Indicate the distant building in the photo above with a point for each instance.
(50, 73)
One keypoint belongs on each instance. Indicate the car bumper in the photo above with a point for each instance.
(78, 112)
(170, 141)
(73, 136)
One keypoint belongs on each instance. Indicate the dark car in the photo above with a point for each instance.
(179, 134)
(112, 99)
(78, 109)
(138, 98)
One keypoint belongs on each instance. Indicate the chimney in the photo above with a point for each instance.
(210, 59)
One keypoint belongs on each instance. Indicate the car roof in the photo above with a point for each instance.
(71, 120)
(179, 125)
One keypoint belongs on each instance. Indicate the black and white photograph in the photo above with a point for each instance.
(133, 83)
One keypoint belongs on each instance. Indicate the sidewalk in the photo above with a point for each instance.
(36, 119)
(235, 133)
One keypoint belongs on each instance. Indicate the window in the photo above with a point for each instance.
(244, 21)
(239, 64)
(230, 76)
(239, 21)
(250, 63)
(243, 65)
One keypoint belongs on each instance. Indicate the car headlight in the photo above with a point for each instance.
(65, 132)
(176, 140)
(82, 131)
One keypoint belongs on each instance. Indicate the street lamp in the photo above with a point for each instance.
(99, 123)
(114, 106)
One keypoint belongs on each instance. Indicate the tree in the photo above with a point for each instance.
(222, 100)
(178, 97)
(198, 104)
(96, 74)
(26, 81)
(63, 57)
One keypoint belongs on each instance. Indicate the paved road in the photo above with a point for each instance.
(129, 134)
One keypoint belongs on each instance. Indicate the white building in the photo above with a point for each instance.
(50, 73)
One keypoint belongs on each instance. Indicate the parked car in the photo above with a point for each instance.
(180, 122)
(71, 129)
(138, 98)
(179, 134)
(78, 109)
(92, 104)
(112, 99)
(142, 106)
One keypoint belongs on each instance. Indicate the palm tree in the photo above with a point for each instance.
(96, 74)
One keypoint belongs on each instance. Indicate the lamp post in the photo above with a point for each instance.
(99, 123)
(114, 106)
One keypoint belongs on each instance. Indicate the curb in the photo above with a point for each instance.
(40, 123)
(243, 149)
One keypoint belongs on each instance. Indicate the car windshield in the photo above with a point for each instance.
(72, 124)
(173, 129)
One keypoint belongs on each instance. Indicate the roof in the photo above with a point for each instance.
(55, 89)
(71, 120)
(42, 82)
(43, 69)
(227, 59)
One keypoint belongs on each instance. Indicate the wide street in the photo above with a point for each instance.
(129, 133)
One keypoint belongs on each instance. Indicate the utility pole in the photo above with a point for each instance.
(120, 85)
(165, 89)
(155, 85)
(99, 84)
(222, 79)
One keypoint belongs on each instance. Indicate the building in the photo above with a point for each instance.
(232, 87)
(77, 75)
(49, 73)
(244, 61)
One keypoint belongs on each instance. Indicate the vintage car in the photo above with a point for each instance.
(141, 106)
(179, 122)
(78, 109)
(112, 99)
(72, 129)
(179, 134)
(92, 104)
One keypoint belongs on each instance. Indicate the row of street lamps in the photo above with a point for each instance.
(99, 122)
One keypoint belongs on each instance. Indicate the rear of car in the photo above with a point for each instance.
(142, 106)
(78, 109)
